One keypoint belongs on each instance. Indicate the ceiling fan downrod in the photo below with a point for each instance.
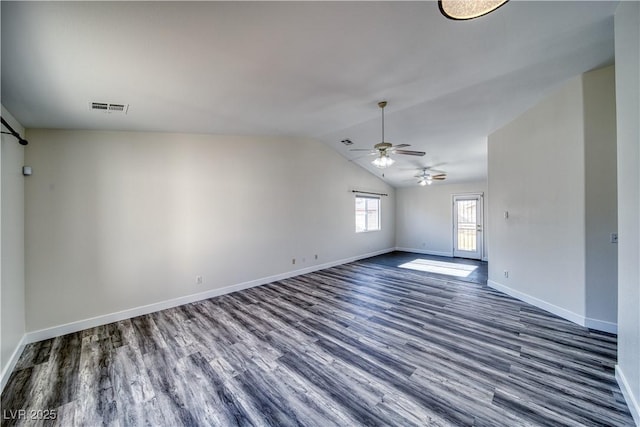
(382, 104)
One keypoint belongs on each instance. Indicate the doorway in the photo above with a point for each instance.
(468, 227)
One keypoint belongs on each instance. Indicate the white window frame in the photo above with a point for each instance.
(367, 229)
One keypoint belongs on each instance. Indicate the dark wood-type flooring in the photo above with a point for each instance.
(366, 343)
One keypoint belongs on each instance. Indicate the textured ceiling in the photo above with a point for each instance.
(313, 69)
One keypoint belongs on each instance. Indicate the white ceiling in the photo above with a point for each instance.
(312, 69)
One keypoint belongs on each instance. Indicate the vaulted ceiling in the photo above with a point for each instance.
(313, 69)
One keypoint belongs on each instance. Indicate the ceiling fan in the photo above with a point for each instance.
(384, 149)
(428, 175)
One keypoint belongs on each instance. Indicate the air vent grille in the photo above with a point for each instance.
(108, 107)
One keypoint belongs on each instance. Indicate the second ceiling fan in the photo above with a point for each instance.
(428, 175)
(384, 149)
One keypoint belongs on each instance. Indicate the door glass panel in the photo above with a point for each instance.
(467, 225)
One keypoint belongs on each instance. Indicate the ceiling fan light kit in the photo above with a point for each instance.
(384, 161)
(383, 149)
(462, 10)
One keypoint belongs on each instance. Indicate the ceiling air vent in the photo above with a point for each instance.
(109, 107)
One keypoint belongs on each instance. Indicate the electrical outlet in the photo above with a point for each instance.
(614, 238)
(293, 261)
(316, 256)
(199, 280)
(506, 274)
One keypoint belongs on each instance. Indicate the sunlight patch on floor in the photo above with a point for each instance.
(440, 267)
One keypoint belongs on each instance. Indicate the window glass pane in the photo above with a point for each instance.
(373, 214)
(361, 214)
(367, 214)
(467, 225)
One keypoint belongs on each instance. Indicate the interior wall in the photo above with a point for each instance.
(553, 170)
(424, 216)
(536, 174)
(12, 263)
(627, 45)
(601, 201)
(118, 220)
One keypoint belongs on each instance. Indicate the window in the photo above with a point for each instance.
(367, 213)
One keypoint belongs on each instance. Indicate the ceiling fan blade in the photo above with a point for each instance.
(411, 153)
(400, 146)
(438, 178)
(363, 149)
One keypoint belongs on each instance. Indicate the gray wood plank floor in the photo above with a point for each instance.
(358, 344)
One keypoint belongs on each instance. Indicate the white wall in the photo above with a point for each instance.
(12, 266)
(424, 216)
(117, 220)
(554, 170)
(601, 202)
(627, 42)
(536, 173)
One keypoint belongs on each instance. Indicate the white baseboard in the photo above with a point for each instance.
(558, 311)
(80, 325)
(632, 401)
(8, 369)
(599, 325)
(425, 252)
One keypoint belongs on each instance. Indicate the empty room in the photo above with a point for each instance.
(320, 213)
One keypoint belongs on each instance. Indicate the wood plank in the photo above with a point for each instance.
(366, 343)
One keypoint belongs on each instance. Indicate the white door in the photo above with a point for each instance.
(467, 226)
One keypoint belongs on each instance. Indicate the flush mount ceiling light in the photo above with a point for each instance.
(461, 10)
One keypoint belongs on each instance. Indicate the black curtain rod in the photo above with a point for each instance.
(21, 140)
(369, 192)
